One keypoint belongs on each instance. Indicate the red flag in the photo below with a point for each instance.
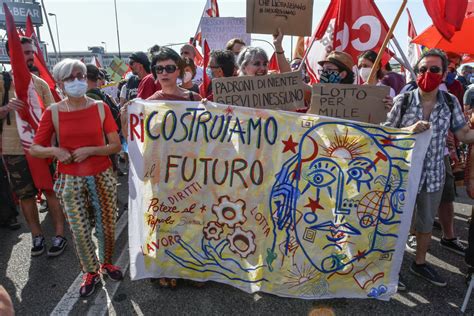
(447, 16)
(211, 10)
(27, 119)
(352, 27)
(273, 64)
(206, 80)
(198, 59)
(40, 63)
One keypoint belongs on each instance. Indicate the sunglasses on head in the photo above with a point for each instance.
(432, 69)
(168, 68)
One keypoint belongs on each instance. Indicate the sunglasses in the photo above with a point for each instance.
(79, 76)
(432, 69)
(168, 68)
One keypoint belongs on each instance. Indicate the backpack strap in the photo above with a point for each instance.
(101, 110)
(55, 118)
(404, 107)
(449, 101)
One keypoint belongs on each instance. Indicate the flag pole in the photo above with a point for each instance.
(385, 43)
(199, 24)
(303, 61)
(404, 57)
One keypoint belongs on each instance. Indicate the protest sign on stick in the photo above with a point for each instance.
(362, 103)
(276, 91)
(294, 17)
(218, 31)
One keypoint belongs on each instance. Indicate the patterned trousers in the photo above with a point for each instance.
(77, 196)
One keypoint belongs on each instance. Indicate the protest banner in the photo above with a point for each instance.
(362, 103)
(294, 205)
(294, 17)
(275, 91)
(218, 31)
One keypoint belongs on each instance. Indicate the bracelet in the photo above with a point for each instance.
(282, 52)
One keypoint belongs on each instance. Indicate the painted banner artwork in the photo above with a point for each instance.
(295, 205)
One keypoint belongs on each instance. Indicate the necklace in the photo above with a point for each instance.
(79, 108)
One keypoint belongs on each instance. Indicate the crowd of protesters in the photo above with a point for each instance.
(88, 128)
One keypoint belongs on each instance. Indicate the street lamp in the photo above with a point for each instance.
(105, 46)
(57, 32)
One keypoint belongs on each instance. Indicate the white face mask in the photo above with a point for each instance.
(364, 73)
(76, 88)
(188, 76)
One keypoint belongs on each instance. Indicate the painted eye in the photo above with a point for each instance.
(359, 174)
(321, 178)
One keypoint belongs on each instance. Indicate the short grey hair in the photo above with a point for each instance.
(63, 69)
(247, 55)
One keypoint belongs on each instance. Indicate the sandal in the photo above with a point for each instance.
(173, 283)
(163, 282)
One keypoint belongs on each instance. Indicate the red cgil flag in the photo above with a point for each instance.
(40, 63)
(211, 10)
(28, 118)
(447, 16)
(351, 26)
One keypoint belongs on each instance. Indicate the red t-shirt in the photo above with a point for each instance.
(147, 87)
(78, 129)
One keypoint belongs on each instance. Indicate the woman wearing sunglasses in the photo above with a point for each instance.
(86, 134)
(167, 67)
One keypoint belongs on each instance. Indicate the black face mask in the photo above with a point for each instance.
(330, 76)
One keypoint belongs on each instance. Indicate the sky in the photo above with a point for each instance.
(143, 23)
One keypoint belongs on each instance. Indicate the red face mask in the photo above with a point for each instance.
(429, 81)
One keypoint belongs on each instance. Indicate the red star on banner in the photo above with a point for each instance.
(27, 128)
(229, 111)
(314, 205)
(388, 141)
(360, 255)
(289, 145)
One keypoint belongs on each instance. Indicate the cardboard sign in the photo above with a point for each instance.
(218, 31)
(360, 103)
(276, 91)
(294, 17)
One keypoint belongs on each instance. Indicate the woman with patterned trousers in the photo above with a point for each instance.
(86, 134)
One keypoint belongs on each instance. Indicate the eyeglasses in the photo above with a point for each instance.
(168, 68)
(79, 76)
(432, 69)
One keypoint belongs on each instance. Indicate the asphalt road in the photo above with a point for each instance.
(44, 286)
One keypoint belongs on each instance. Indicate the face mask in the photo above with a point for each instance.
(429, 81)
(365, 73)
(468, 77)
(76, 88)
(209, 73)
(450, 78)
(188, 76)
(471, 80)
(330, 76)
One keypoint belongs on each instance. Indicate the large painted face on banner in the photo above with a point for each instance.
(337, 193)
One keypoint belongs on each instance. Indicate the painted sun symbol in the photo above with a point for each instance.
(345, 146)
(307, 281)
